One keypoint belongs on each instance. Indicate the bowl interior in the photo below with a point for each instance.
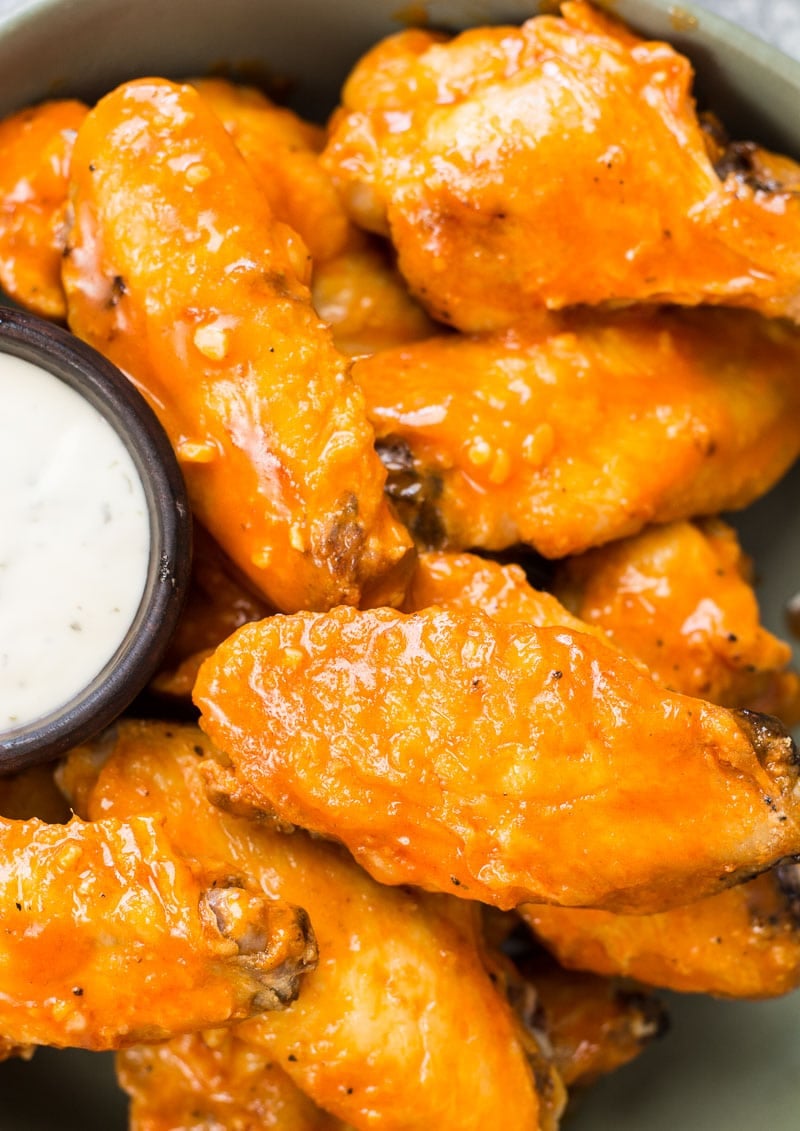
(49, 48)
(725, 1065)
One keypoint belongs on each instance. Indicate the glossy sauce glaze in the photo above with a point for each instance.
(74, 542)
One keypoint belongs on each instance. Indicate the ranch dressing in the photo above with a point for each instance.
(74, 542)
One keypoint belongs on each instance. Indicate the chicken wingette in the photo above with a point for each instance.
(400, 993)
(679, 598)
(282, 151)
(35, 150)
(557, 163)
(505, 763)
(355, 287)
(178, 272)
(547, 435)
(744, 942)
(112, 934)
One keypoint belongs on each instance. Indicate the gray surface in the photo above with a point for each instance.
(777, 21)
(726, 1067)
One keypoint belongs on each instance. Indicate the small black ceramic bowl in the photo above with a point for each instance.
(165, 564)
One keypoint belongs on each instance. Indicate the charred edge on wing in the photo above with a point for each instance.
(344, 540)
(739, 159)
(523, 1000)
(787, 877)
(414, 493)
(648, 1017)
(771, 741)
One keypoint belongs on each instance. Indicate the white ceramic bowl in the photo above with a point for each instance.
(724, 1067)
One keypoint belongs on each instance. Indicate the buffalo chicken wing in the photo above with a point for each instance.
(178, 272)
(504, 763)
(400, 993)
(557, 163)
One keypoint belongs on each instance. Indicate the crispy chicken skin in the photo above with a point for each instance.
(8, 1049)
(504, 763)
(554, 164)
(676, 598)
(744, 942)
(679, 598)
(35, 149)
(741, 943)
(468, 584)
(282, 151)
(589, 1025)
(400, 993)
(547, 436)
(594, 1025)
(112, 935)
(213, 1081)
(178, 272)
(364, 300)
(356, 288)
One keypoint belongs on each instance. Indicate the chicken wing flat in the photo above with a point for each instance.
(400, 993)
(553, 164)
(112, 935)
(504, 763)
(282, 151)
(741, 943)
(213, 1081)
(36, 145)
(356, 289)
(548, 436)
(178, 272)
(679, 598)
(744, 942)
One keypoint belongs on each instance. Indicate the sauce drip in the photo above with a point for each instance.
(74, 542)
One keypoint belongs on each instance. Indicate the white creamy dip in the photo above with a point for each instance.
(74, 542)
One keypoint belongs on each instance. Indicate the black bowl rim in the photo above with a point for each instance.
(126, 673)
